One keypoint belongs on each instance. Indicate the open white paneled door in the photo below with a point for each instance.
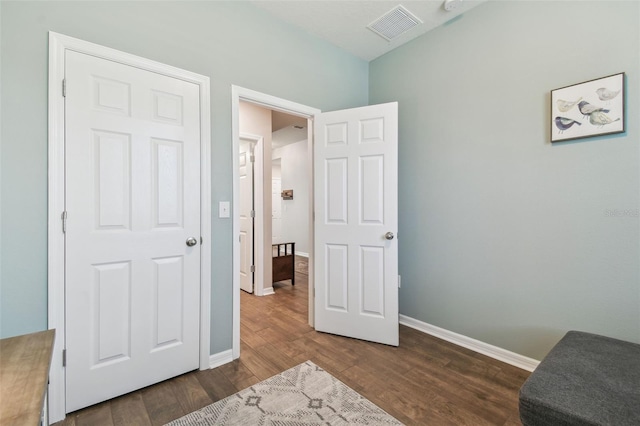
(356, 219)
(247, 214)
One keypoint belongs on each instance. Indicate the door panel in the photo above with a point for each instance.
(167, 181)
(247, 149)
(168, 288)
(110, 306)
(133, 198)
(337, 193)
(356, 274)
(113, 153)
(337, 267)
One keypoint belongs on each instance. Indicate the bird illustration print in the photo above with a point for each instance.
(564, 123)
(564, 106)
(591, 108)
(605, 94)
(587, 109)
(600, 119)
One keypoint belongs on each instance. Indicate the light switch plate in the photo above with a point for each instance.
(224, 209)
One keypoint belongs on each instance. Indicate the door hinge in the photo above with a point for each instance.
(252, 158)
(253, 268)
(64, 87)
(64, 357)
(201, 240)
(253, 213)
(64, 222)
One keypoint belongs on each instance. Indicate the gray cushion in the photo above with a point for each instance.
(586, 379)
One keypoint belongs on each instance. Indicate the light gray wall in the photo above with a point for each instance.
(295, 175)
(231, 42)
(504, 237)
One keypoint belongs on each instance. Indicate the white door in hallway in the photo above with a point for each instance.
(132, 283)
(356, 222)
(246, 213)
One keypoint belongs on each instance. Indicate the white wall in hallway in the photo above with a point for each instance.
(295, 175)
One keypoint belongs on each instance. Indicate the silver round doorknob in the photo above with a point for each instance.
(191, 241)
(388, 236)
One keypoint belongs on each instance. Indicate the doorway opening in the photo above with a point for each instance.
(273, 200)
(258, 115)
(273, 151)
(354, 190)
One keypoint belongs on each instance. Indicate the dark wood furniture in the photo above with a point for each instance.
(24, 374)
(284, 266)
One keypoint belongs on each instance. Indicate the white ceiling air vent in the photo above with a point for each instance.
(393, 23)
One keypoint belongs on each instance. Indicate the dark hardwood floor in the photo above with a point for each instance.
(424, 381)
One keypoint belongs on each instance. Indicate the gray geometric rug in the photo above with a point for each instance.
(302, 395)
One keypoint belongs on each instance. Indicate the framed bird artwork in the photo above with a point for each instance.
(592, 108)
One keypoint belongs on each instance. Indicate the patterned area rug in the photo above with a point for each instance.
(302, 395)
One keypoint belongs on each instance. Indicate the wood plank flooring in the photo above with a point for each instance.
(424, 381)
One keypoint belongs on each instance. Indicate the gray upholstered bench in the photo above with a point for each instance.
(586, 379)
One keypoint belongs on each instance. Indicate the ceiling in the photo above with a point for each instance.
(287, 129)
(288, 135)
(344, 23)
(280, 120)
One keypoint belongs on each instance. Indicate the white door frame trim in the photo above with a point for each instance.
(58, 43)
(274, 103)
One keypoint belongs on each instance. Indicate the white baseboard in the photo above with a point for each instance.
(221, 358)
(495, 352)
(301, 253)
(268, 291)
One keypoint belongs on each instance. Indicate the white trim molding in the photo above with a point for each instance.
(267, 291)
(58, 45)
(55, 245)
(221, 358)
(517, 360)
